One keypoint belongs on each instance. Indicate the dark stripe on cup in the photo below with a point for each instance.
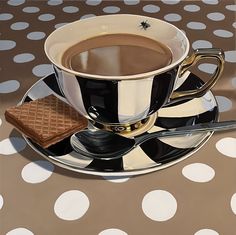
(100, 99)
(161, 88)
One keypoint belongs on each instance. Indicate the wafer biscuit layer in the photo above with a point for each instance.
(46, 121)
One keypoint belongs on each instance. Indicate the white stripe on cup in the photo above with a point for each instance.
(72, 91)
(134, 99)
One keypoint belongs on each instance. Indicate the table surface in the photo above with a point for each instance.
(196, 196)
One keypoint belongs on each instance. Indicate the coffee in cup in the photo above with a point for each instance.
(117, 55)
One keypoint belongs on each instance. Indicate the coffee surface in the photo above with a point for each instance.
(117, 55)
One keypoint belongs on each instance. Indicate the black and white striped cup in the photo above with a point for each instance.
(123, 100)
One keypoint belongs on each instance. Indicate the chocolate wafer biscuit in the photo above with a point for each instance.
(46, 121)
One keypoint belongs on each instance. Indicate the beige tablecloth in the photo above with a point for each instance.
(196, 196)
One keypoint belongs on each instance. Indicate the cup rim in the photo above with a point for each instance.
(122, 77)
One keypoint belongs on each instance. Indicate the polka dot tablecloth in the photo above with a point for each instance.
(194, 197)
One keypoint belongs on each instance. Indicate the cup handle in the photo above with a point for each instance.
(199, 54)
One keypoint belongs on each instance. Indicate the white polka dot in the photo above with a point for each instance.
(71, 205)
(55, 2)
(36, 35)
(87, 16)
(12, 145)
(192, 8)
(46, 17)
(196, 25)
(172, 17)
(42, 70)
(170, 2)
(60, 25)
(70, 9)
(37, 172)
(31, 9)
(234, 82)
(231, 7)
(93, 2)
(230, 56)
(20, 25)
(227, 146)
(198, 172)
(224, 103)
(7, 45)
(215, 16)
(6, 16)
(151, 8)
(211, 2)
(1, 201)
(15, 2)
(201, 44)
(111, 9)
(116, 179)
(23, 58)
(234, 25)
(223, 33)
(112, 231)
(233, 203)
(159, 205)
(131, 2)
(207, 68)
(206, 231)
(20, 231)
(9, 86)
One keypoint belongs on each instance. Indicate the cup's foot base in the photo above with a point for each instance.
(129, 130)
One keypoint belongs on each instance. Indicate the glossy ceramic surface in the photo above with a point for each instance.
(121, 100)
(148, 157)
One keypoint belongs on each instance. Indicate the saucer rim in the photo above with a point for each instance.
(71, 167)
